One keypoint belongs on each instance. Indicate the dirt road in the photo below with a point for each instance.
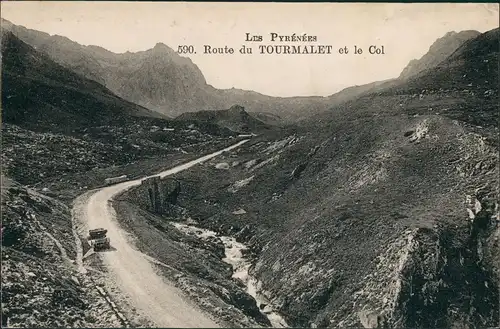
(155, 298)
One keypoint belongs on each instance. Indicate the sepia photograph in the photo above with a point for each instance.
(250, 165)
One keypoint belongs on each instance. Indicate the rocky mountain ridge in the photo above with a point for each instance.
(161, 80)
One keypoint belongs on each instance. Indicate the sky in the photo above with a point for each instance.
(405, 30)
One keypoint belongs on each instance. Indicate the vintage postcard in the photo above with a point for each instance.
(219, 164)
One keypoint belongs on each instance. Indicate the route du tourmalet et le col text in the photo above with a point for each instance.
(294, 44)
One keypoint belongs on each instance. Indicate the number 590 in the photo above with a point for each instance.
(186, 50)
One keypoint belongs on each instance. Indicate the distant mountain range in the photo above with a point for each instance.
(463, 86)
(158, 78)
(161, 80)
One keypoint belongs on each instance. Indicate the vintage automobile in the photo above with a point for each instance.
(98, 239)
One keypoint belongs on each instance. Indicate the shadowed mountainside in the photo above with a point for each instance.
(39, 92)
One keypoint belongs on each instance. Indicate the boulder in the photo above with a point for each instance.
(368, 319)
(222, 165)
(239, 212)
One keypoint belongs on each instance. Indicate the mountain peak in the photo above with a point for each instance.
(161, 47)
(441, 49)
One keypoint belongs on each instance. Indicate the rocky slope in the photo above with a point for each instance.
(44, 157)
(195, 265)
(383, 212)
(440, 50)
(41, 284)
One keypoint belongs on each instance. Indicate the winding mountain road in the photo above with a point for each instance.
(157, 299)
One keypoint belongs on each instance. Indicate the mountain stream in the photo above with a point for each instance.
(241, 265)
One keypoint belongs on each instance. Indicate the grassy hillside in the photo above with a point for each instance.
(440, 50)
